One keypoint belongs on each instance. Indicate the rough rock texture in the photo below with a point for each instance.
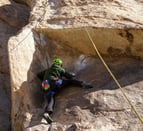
(98, 13)
(57, 28)
(12, 17)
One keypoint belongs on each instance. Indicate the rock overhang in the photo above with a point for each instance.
(109, 41)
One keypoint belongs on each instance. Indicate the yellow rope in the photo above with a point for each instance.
(116, 81)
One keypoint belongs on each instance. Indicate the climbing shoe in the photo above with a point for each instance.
(86, 85)
(47, 118)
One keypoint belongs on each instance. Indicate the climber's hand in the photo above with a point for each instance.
(55, 78)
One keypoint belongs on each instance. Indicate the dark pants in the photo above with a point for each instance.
(55, 86)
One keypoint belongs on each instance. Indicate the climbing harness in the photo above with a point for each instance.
(114, 78)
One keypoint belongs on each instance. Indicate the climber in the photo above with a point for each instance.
(53, 81)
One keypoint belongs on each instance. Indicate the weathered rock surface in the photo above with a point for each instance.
(57, 28)
(85, 13)
(15, 14)
(12, 17)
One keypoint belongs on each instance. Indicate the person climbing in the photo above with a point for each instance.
(53, 79)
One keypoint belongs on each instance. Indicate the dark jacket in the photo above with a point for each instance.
(52, 72)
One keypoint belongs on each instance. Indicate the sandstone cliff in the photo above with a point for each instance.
(34, 32)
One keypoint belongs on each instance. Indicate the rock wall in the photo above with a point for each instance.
(100, 105)
(57, 28)
(85, 13)
(12, 17)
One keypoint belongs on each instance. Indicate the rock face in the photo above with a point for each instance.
(31, 38)
(12, 17)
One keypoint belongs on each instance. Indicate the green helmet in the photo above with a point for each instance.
(57, 61)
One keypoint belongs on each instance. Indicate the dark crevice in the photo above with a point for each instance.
(15, 15)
